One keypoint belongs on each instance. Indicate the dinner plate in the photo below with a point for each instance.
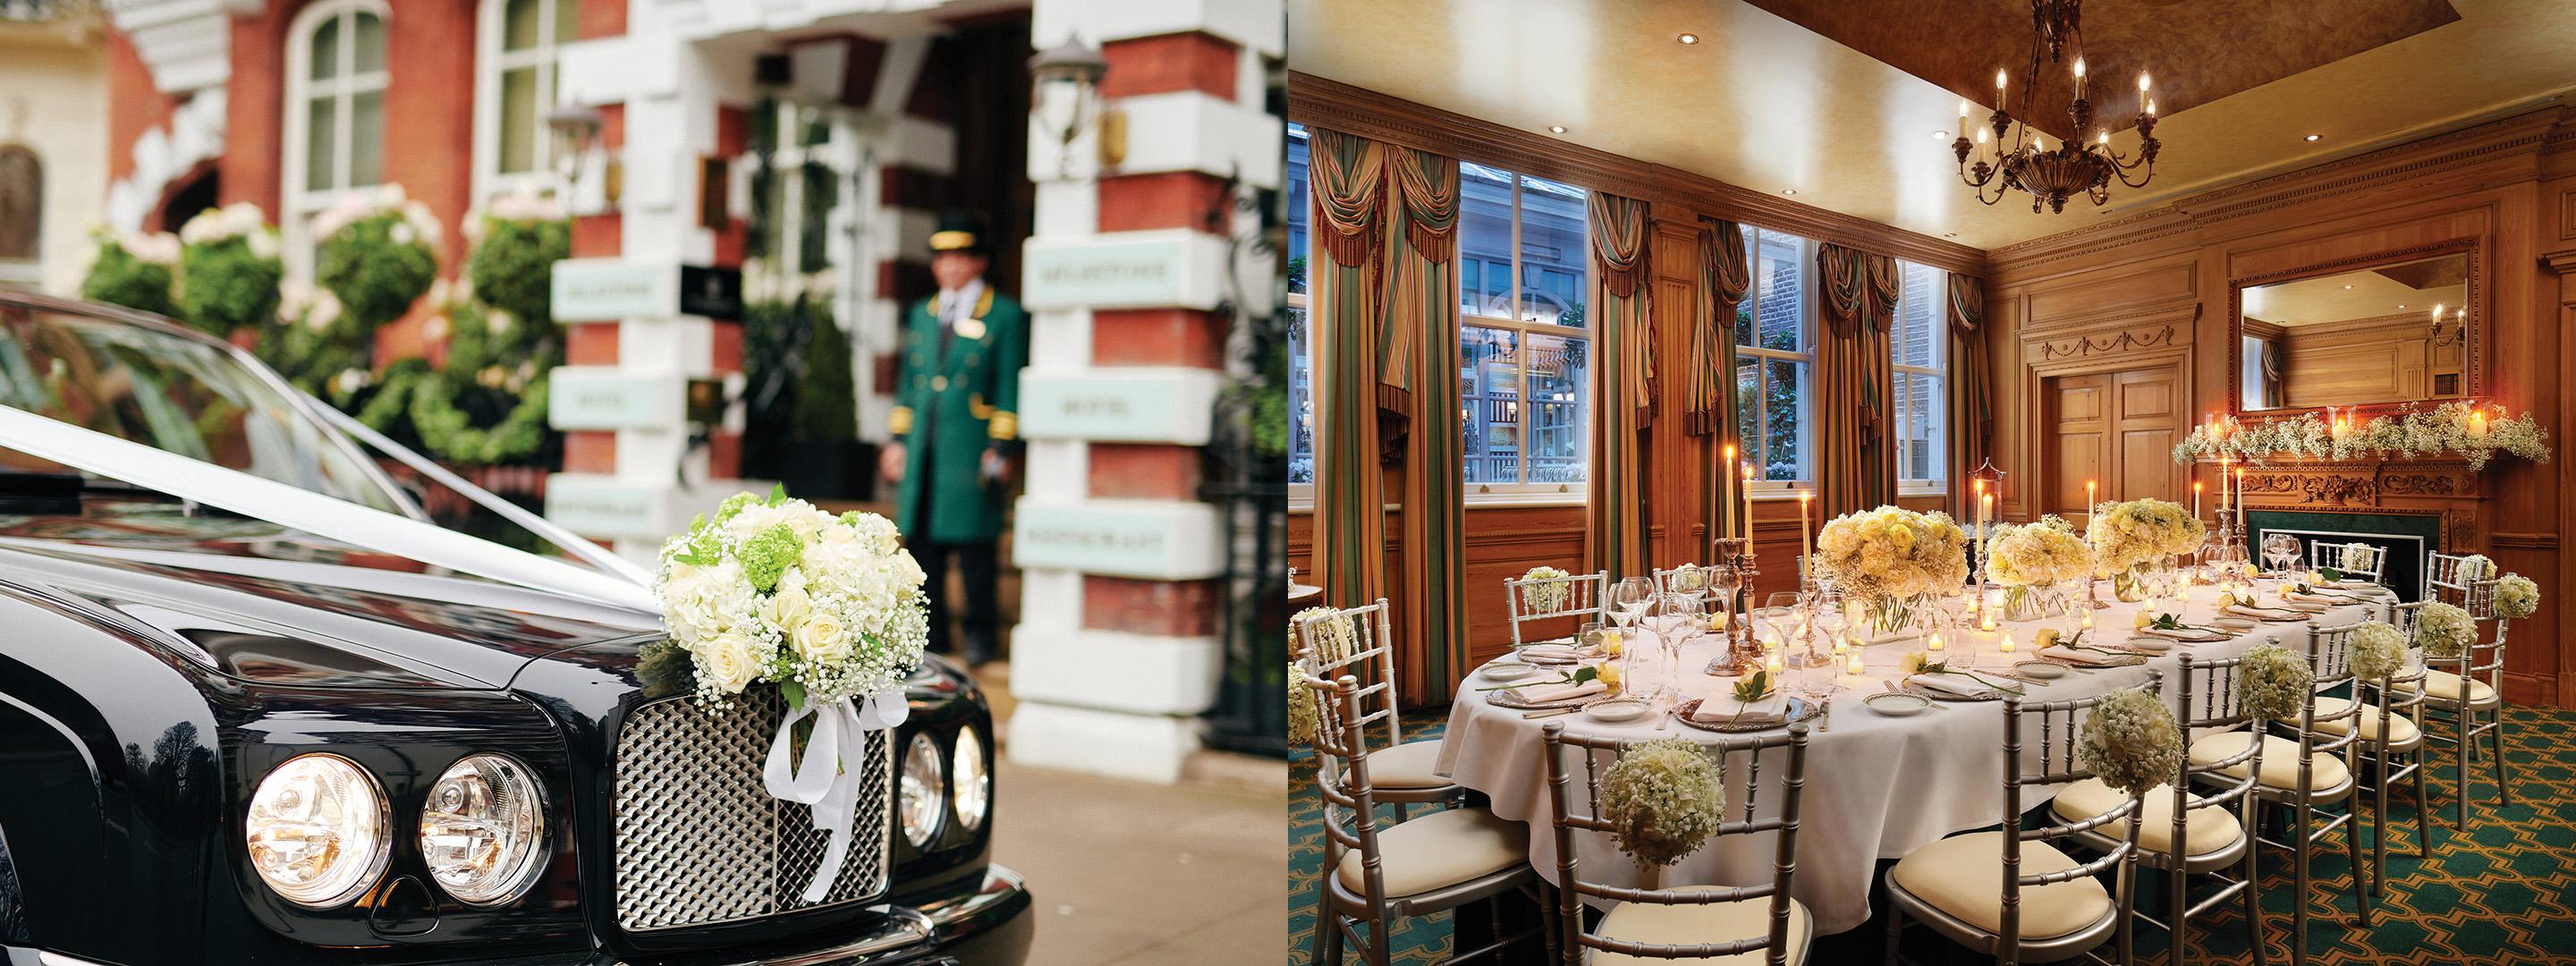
(1897, 705)
(1507, 671)
(2237, 623)
(2043, 670)
(1617, 709)
(2150, 642)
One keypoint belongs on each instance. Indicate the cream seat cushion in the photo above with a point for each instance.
(2402, 733)
(1406, 766)
(1964, 876)
(2445, 686)
(1716, 922)
(2206, 830)
(2280, 763)
(1440, 849)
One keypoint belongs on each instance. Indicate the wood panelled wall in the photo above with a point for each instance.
(2151, 290)
(1503, 541)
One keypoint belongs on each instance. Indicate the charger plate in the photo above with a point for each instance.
(1799, 710)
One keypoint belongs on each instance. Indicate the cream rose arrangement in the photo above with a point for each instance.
(2444, 630)
(2378, 651)
(1888, 555)
(2030, 557)
(2516, 596)
(1550, 595)
(2131, 533)
(826, 607)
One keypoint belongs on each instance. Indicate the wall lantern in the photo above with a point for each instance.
(1067, 98)
(576, 129)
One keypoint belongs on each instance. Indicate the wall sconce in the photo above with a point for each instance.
(576, 129)
(1067, 98)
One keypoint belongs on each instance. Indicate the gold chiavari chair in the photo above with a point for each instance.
(2464, 696)
(2011, 892)
(1404, 772)
(2299, 771)
(2353, 559)
(1586, 598)
(1378, 875)
(1700, 923)
(2215, 829)
(2396, 751)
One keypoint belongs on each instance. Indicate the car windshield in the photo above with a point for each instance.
(173, 393)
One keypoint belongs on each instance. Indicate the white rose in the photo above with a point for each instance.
(790, 608)
(821, 639)
(725, 661)
(401, 233)
(263, 244)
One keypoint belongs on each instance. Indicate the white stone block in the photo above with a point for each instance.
(1192, 131)
(1050, 600)
(1141, 747)
(1066, 208)
(593, 505)
(1059, 340)
(1114, 671)
(1138, 404)
(1059, 471)
(1169, 268)
(1260, 24)
(1153, 539)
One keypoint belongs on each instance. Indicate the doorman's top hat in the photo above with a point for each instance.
(959, 231)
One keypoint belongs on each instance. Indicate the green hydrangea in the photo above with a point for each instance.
(733, 505)
(2378, 651)
(2516, 597)
(1663, 799)
(768, 554)
(2444, 630)
(1302, 706)
(2274, 682)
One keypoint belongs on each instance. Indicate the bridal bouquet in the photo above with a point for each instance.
(1887, 557)
(2132, 536)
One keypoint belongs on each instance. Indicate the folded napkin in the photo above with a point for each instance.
(1550, 693)
(1548, 652)
(2185, 633)
(1724, 709)
(2074, 655)
(2261, 613)
(1956, 684)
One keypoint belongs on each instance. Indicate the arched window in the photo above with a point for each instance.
(22, 214)
(335, 113)
(514, 87)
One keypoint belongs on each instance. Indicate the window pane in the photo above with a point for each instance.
(366, 138)
(518, 120)
(1297, 205)
(1779, 272)
(1783, 455)
(1559, 368)
(1554, 251)
(1489, 404)
(1917, 340)
(1748, 410)
(567, 21)
(1485, 236)
(326, 50)
(519, 20)
(1301, 406)
(320, 132)
(1744, 309)
(369, 50)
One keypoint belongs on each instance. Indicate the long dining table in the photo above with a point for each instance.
(1876, 786)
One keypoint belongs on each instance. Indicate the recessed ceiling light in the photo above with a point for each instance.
(1688, 39)
(2313, 137)
(2401, 305)
(1788, 191)
(1556, 128)
(1940, 135)
(2347, 288)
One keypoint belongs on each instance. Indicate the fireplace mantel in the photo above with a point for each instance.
(2361, 482)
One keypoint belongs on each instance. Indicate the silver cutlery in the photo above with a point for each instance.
(1547, 712)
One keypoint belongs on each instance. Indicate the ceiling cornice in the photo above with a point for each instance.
(1342, 107)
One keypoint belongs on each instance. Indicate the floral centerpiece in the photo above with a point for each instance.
(2516, 597)
(2028, 560)
(828, 609)
(2130, 741)
(2452, 427)
(1663, 799)
(2131, 538)
(1890, 559)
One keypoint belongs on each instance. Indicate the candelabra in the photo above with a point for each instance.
(1744, 656)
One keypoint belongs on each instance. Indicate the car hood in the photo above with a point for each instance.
(266, 603)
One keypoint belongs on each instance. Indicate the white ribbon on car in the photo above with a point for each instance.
(821, 781)
(299, 509)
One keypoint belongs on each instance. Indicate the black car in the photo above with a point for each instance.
(228, 739)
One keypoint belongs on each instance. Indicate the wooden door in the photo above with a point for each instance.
(2114, 428)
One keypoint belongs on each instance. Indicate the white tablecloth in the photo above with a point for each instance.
(1877, 787)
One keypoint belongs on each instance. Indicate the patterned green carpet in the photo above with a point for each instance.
(2506, 893)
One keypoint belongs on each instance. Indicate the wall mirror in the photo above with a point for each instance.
(2395, 328)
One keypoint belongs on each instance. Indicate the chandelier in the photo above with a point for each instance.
(2022, 158)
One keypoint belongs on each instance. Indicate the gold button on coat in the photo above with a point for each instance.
(939, 382)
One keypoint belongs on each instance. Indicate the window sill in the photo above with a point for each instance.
(1539, 498)
(1936, 489)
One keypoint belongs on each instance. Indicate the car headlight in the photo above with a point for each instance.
(974, 785)
(483, 830)
(923, 801)
(316, 830)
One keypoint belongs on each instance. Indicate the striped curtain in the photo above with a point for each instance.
(1725, 274)
(1348, 179)
(1615, 538)
(1973, 404)
(1422, 320)
(1853, 381)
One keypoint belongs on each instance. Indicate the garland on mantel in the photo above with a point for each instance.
(2410, 433)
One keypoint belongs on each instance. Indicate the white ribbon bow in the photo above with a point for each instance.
(821, 782)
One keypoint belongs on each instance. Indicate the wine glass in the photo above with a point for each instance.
(1630, 599)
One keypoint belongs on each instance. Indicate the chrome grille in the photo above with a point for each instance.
(700, 841)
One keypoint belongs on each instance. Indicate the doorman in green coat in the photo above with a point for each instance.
(956, 426)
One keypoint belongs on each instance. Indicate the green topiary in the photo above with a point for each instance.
(378, 254)
(228, 269)
(133, 271)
